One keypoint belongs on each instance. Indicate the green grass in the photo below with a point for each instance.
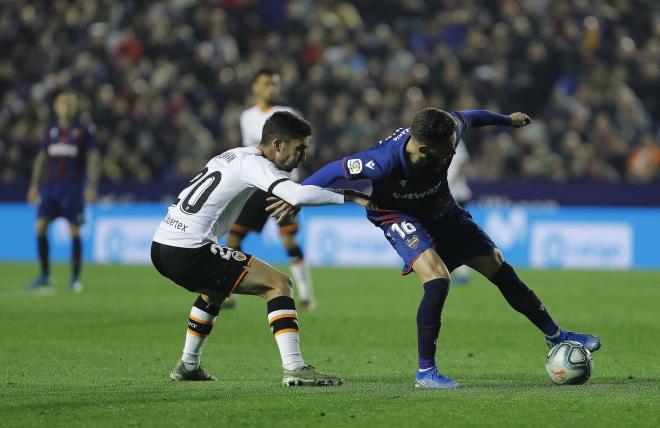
(102, 358)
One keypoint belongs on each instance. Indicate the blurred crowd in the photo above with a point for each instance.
(165, 81)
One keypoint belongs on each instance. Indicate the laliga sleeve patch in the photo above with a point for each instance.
(354, 166)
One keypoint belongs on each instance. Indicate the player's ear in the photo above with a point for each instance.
(277, 144)
(423, 148)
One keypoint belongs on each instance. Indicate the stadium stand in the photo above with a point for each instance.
(165, 81)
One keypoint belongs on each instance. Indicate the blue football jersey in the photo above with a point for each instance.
(66, 151)
(397, 185)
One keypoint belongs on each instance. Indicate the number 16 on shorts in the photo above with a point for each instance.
(406, 231)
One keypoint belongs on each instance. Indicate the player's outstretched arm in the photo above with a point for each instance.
(372, 164)
(263, 174)
(299, 195)
(478, 118)
(326, 175)
(280, 209)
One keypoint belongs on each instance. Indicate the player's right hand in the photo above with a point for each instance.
(33, 194)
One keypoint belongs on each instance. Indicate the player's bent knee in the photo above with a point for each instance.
(284, 285)
(278, 285)
(435, 275)
(429, 266)
(212, 298)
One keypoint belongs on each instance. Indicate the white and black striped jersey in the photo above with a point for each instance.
(206, 209)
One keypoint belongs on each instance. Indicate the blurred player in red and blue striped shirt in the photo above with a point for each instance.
(65, 175)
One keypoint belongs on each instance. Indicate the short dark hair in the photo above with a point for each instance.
(263, 72)
(286, 126)
(432, 126)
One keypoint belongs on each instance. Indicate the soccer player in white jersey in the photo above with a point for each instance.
(266, 91)
(184, 248)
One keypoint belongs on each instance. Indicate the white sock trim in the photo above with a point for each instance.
(202, 315)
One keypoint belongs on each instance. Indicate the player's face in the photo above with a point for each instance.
(66, 105)
(292, 153)
(267, 88)
(441, 153)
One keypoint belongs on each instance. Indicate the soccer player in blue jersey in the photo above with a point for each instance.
(431, 232)
(64, 175)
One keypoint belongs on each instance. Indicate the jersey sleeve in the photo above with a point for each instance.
(474, 118)
(259, 172)
(296, 194)
(482, 118)
(326, 175)
(372, 164)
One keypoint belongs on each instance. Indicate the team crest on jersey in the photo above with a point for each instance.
(412, 242)
(238, 256)
(354, 166)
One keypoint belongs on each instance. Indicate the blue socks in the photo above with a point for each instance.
(42, 246)
(76, 256)
(428, 320)
(524, 300)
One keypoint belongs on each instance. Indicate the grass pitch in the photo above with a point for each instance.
(102, 358)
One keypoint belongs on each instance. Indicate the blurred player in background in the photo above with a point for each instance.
(266, 91)
(64, 176)
(460, 190)
(430, 231)
(185, 250)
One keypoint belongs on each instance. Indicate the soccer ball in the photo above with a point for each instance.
(569, 363)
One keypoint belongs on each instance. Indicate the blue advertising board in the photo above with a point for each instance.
(537, 237)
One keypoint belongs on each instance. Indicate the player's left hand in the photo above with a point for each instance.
(90, 195)
(518, 119)
(281, 209)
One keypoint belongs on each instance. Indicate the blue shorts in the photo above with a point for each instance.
(62, 200)
(456, 238)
